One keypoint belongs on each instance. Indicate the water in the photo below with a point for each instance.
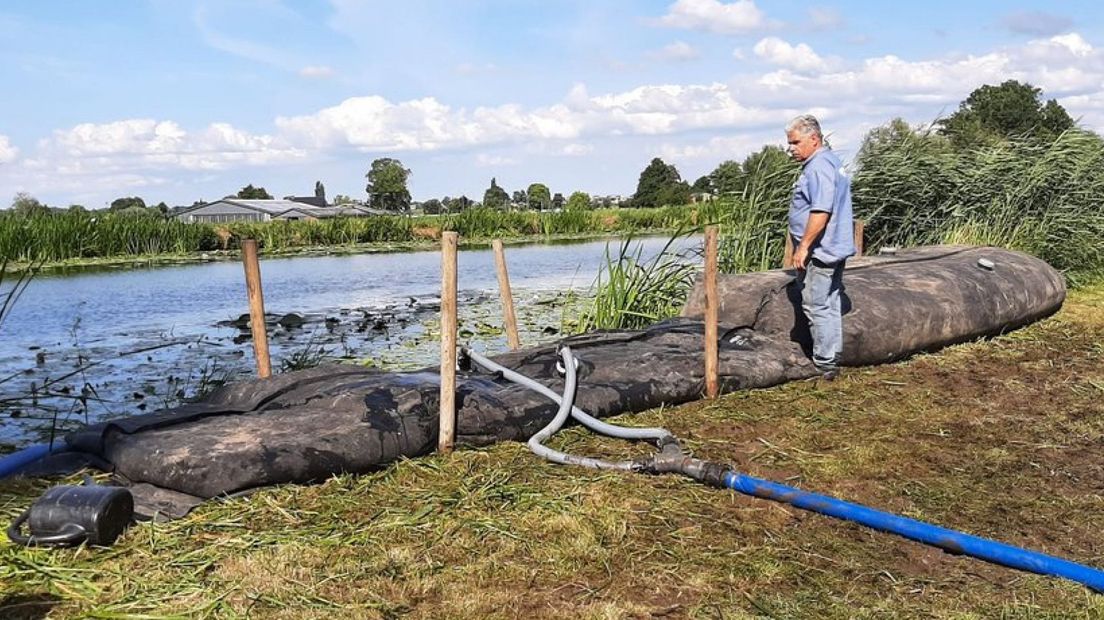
(92, 345)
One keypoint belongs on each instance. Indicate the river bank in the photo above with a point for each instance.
(111, 238)
(958, 438)
(379, 247)
(90, 344)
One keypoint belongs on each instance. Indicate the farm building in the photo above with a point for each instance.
(239, 210)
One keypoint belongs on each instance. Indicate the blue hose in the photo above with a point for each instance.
(948, 540)
(11, 463)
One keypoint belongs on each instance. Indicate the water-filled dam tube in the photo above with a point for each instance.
(308, 425)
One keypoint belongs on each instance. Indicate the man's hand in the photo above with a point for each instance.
(800, 257)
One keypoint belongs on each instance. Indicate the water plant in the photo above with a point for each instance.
(59, 237)
(632, 292)
(914, 187)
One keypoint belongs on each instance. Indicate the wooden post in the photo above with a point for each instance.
(509, 319)
(859, 225)
(711, 312)
(787, 257)
(256, 308)
(447, 429)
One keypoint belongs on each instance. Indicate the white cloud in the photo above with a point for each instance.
(694, 122)
(1064, 65)
(677, 51)
(739, 17)
(1060, 48)
(138, 153)
(375, 124)
(798, 57)
(316, 72)
(8, 152)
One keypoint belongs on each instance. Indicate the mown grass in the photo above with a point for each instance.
(998, 438)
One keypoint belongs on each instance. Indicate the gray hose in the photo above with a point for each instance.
(658, 435)
(567, 401)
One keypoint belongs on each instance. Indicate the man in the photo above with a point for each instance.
(822, 229)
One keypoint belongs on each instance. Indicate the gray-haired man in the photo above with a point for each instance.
(822, 228)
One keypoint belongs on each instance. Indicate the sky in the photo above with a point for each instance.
(187, 100)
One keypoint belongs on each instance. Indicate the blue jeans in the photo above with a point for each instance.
(821, 284)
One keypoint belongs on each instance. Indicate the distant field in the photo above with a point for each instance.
(998, 438)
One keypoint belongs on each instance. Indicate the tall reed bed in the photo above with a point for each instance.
(633, 292)
(1043, 198)
(488, 223)
(67, 236)
(912, 187)
(60, 237)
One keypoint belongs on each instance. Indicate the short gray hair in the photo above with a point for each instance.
(806, 124)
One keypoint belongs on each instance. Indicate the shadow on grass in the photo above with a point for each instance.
(27, 606)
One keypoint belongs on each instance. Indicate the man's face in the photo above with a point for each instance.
(801, 146)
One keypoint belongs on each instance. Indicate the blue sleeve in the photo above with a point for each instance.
(822, 188)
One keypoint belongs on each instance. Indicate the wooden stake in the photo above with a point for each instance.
(509, 319)
(447, 429)
(256, 308)
(787, 256)
(711, 312)
(859, 225)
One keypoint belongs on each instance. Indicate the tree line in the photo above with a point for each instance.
(987, 116)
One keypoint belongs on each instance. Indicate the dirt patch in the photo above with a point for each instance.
(426, 232)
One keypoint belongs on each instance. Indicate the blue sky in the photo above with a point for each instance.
(178, 101)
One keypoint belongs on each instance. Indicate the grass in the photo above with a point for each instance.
(913, 188)
(633, 293)
(64, 238)
(999, 438)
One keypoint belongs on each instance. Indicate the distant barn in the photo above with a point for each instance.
(240, 210)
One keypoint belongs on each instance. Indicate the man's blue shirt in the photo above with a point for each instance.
(824, 187)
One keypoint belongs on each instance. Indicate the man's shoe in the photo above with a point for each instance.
(829, 373)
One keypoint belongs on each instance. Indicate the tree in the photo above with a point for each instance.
(461, 204)
(387, 185)
(558, 202)
(660, 184)
(162, 208)
(432, 207)
(520, 200)
(342, 199)
(131, 202)
(253, 193)
(728, 178)
(993, 113)
(704, 185)
(495, 197)
(27, 205)
(539, 196)
(578, 201)
(320, 191)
